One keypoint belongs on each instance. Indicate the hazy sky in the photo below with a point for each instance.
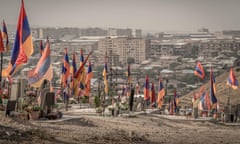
(158, 15)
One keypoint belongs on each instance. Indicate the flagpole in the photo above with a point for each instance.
(228, 104)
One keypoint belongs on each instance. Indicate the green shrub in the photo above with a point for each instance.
(36, 108)
(85, 99)
(96, 101)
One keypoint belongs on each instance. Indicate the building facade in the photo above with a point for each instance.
(125, 48)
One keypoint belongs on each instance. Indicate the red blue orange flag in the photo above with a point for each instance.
(23, 45)
(146, 89)
(153, 95)
(213, 90)
(41, 47)
(66, 68)
(161, 94)
(176, 100)
(199, 71)
(1, 44)
(105, 77)
(5, 36)
(73, 70)
(43, 69)
(137, 88)
(204, 103)
(128, 74)
(88, 79)
(81, 68)
(232, 81)
(89, 73)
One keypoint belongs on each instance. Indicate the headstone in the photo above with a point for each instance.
(226, 114)
(14, 91)
(131, 100)
(11, 105)
(195, 112)
(50, 99)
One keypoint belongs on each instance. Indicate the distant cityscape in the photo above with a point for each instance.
(170, 56)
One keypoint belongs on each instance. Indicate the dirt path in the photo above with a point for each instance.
(141, 129)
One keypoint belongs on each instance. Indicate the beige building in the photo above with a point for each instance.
(124, 48)
(159, 48)
(213, 48)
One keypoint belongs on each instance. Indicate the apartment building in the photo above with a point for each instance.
(159, 48)
(124, 47)
(215, 47)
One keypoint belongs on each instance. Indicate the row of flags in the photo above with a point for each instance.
(149, 94)
(206, 101)
(231, 80)
(76, 79)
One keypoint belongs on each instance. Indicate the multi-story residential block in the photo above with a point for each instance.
(125, 48)
(215, 47)
(136, 33)
(159, 48)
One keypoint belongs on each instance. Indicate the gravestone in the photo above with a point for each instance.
(131, 98)
(11, 105)
(50, 99)
(195, 112)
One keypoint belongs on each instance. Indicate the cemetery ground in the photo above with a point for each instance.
(86, 127)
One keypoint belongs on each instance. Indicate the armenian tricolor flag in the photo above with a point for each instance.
(128, 74)
(204, 103)
(1, 44)
(105, 77)
(43, 69)
(73, 70)
(232, 81)
(88, 79)
(176, 100)
(152, 95)
(66, 68)
(146, 89)
(137, 88)
(41, 48)
(199, 71)
(161, 93)
(23, 46)
(213, 90)
(5, 36)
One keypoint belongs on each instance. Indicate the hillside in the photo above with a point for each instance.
(222, 91)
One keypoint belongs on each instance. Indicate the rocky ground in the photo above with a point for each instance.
(144, 128)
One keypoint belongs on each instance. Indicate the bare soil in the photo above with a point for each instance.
(142, 129)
